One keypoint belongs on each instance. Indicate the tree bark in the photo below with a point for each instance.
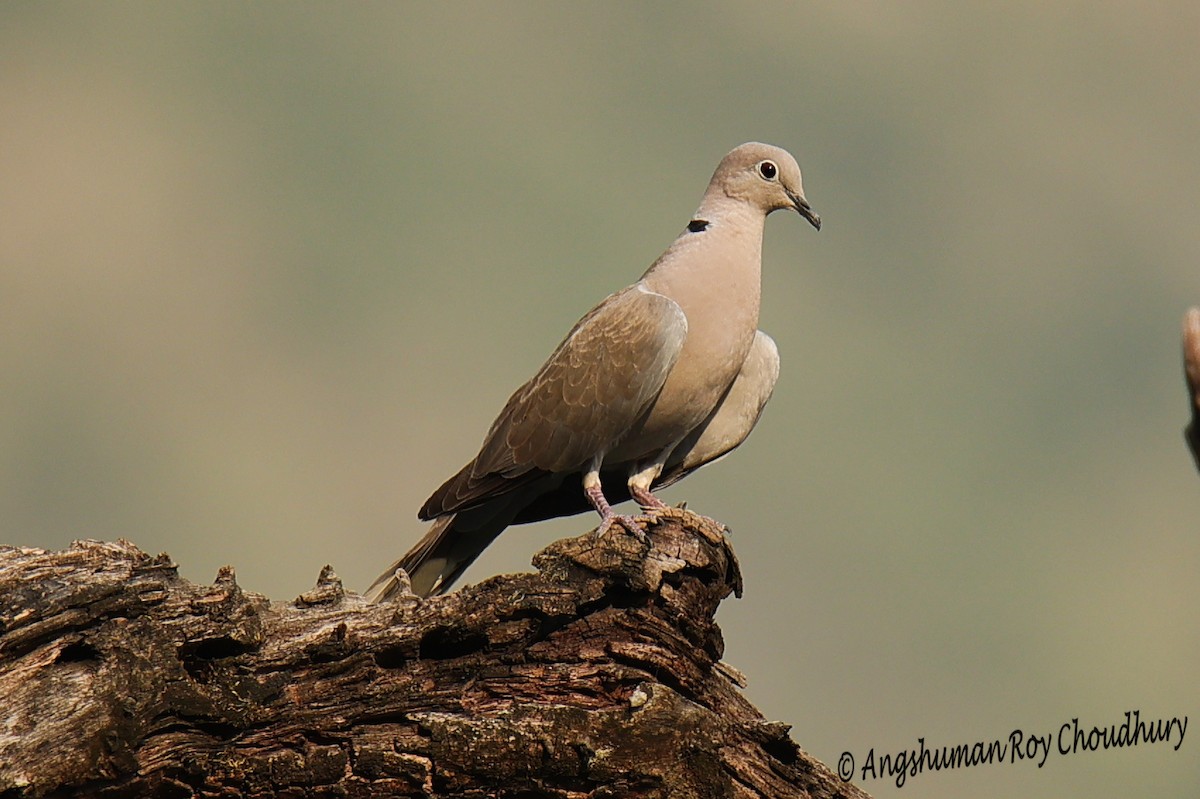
(597, 676)
(1191, 371)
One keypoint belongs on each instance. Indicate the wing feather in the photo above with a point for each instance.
(602, 377)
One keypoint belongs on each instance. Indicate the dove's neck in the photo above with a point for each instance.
(712, 272)
(716, 262)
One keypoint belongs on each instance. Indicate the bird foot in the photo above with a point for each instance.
(645, 499)
(609, 517)
(712, 530)
(633, 524)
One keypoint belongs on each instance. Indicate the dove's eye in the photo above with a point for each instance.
(768, 169)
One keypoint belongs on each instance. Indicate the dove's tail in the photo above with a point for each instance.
(438, 559)
(444, 553)
(456, 539)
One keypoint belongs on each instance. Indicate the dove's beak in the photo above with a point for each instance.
(805, 210)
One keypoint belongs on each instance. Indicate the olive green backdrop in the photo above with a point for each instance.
(267, 271)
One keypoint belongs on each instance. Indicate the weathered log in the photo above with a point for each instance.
(597, 676)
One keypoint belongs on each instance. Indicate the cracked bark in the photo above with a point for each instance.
(1191, 371)
(597, 676)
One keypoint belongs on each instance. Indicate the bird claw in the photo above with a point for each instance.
(632, 524)
(645, 499)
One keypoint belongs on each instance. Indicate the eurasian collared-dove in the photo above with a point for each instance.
(657, 380)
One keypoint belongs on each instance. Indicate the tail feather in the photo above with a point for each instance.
(452, 544)
(454, 541)
(440, 557)
(429, 566)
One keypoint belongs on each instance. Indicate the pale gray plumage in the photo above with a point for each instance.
(657, 380)
(733, 419)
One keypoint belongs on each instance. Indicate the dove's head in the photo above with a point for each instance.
(766, 177)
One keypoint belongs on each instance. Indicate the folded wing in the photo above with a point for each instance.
(603, 376)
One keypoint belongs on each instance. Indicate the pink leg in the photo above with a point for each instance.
(608, 516)
(643, 497)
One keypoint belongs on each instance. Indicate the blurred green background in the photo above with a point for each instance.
(267, 272)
